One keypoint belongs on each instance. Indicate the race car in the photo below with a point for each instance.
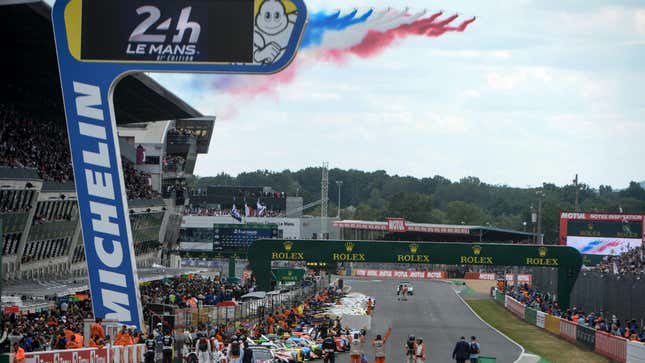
(407, 286)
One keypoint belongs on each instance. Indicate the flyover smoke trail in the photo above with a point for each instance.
(335, 38)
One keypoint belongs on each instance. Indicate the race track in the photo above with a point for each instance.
(434, 313)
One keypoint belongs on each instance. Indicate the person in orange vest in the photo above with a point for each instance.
(20, 353)
(123, 337)
(97, 329)
(379, 346)
(73, 343)
(79, 338)
(96, 342)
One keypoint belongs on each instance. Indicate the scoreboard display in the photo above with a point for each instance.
(235, 237)
(601, 234)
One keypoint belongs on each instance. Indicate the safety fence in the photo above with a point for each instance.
(109, 354)
(237, 314)
(613, 347)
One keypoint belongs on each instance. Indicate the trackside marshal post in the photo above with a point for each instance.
(98, 42)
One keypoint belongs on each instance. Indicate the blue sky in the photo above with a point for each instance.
(532, 92)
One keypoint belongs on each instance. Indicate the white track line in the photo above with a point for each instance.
(522, 354)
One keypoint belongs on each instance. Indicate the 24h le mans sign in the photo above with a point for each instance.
(98, 42)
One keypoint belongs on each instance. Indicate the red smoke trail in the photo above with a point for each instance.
(373, 43)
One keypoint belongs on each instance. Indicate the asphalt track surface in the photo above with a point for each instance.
(434, 313)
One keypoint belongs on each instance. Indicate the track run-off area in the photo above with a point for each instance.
(435, 313)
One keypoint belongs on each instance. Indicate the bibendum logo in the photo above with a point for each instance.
(166, 44)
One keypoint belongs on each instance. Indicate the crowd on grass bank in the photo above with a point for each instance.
(62, 326)
(545, 302)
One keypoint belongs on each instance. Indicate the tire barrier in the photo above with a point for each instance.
(568, 330)
(635, 352)
(611, 346)
(586, 336)
(540, 319)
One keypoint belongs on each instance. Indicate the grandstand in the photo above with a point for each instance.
(398, 229)
(40, 222)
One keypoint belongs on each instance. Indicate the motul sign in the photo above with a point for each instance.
(396, 225)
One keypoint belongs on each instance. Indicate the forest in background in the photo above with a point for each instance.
(377, 195)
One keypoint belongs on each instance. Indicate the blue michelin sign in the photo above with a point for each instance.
(98, 42)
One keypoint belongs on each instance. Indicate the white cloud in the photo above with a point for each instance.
(639, 21)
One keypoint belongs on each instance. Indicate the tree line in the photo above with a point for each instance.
(377, 195)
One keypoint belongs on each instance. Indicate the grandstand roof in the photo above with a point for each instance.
(429, 229)
(31, 72)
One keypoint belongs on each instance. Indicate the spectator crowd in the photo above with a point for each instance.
(62, 326)
(29, 142)
(215, 212)
(630, 262)
(545, 302)
(137, 183)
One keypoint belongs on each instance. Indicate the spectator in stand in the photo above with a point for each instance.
(630, 262)
(21, 147)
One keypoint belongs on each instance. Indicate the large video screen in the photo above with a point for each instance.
(240, 236)
(601, 234)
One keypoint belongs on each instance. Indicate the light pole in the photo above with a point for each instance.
(340, 184)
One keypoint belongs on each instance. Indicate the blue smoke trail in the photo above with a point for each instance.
(319, 23)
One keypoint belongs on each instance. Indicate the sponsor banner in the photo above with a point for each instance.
(396, 225)
(635, 352)
(479, 276)
(540, 319)
(523, 279)
(83, 355)
(586, 336)
(510, 279)
(611, 346)
(172, 36)
(515, 307)
(603, 245)
(552, 324)
(568, 330)
(400, 274)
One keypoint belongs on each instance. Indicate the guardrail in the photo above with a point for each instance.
(109, 354)
(613, 347)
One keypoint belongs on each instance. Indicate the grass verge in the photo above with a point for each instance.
(532, 338)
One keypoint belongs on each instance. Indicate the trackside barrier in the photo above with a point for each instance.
(540, 319)
(635, 352)
(82, 355)
(515, 307)
(530, 315)
(500, 297)
(586, 336)
(611, 346)
(568, 330)
(479, 276)
(128, 353)
(552, 324)
(486, 359)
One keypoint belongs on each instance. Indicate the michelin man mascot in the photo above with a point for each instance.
(273, 27)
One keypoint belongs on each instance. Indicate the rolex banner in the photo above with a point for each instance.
(288, 274)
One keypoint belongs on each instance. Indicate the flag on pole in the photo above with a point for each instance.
(261, 209)
(236, 214)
